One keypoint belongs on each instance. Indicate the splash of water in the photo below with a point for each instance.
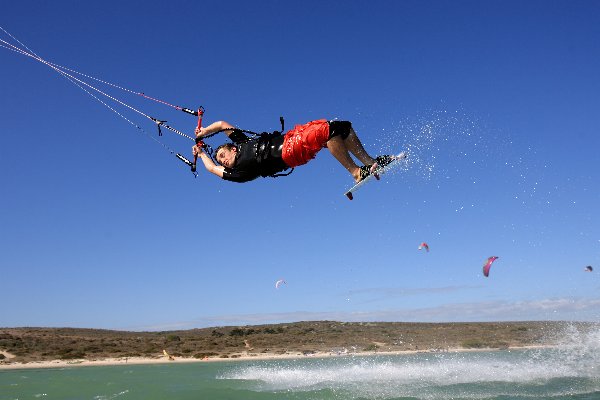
(568, 368)
(430, 136)
(112, 396)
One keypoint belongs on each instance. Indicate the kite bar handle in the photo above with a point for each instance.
(187, 110)
(199, 113)
(188, 162)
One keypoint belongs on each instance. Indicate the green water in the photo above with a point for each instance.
(571, 373)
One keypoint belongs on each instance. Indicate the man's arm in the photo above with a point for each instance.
(218, 126)
(197, 150)
(210, 166)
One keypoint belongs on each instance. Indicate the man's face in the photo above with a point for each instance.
(226, 156)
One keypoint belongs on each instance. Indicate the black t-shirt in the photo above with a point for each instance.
(255, 157)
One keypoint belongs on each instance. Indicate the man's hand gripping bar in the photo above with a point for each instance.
(198, 140)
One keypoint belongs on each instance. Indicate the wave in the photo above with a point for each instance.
(569, 368)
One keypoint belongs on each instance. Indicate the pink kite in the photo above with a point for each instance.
(488, 265)
(424, 246)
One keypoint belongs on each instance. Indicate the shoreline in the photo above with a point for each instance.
(113, 361)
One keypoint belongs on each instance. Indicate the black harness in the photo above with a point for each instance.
(263, 139)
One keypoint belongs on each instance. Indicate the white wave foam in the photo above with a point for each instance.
(112, 396)
(575, 359)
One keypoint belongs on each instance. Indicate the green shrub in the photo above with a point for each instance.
(73, 355)
(205, 354)
(371, 347)
(473, 344)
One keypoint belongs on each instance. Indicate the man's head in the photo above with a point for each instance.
(225, 154)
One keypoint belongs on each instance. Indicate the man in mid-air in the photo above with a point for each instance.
(267, 155)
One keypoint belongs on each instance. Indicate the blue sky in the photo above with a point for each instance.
(496, 102)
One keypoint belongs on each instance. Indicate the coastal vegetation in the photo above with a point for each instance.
(42, 344)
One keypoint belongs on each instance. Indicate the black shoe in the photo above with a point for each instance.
(365, 171)
(382, 161)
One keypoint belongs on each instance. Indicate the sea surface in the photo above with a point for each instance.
(566, 372)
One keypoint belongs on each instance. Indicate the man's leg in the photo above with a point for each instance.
(354, 145)
(337, 147)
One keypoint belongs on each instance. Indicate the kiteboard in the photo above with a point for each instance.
(376, 171)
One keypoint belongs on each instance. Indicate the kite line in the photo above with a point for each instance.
(98, 95)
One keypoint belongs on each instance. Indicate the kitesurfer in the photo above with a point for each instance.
(269, 154)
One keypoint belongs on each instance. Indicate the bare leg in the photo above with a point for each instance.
(354, 145)
(337, 147)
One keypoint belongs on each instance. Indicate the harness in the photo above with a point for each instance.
(263, 142)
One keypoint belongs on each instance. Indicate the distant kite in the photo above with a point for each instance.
(589, 268)
(279, 283)
(488, 265)
(424, 246)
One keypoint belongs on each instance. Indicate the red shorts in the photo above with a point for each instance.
(301, 144)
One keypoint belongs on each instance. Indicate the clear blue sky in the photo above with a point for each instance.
(497, 103)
